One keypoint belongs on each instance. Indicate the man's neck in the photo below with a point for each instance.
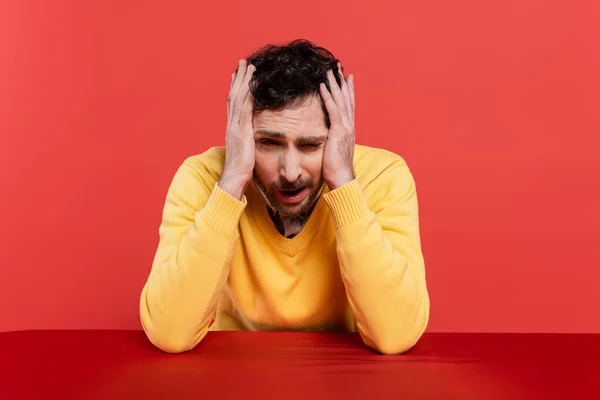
(289, 226)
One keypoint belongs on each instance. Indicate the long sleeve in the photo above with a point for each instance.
(380, 258)
(198, 235)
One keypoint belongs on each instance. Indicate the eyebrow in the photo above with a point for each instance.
(271, 134)
(303, 140)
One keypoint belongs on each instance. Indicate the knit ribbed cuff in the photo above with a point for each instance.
(347, 204)
(222, 212)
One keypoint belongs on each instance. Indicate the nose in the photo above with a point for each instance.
(291, 169)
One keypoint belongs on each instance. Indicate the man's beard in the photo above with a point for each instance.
(287, 212)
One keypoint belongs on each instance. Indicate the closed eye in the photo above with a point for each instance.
(268, 142)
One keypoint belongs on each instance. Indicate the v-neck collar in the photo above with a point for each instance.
(290, 246)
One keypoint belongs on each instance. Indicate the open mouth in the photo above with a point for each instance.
(292, 196)
(292, 192)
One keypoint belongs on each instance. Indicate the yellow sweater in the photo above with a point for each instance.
(355, 266)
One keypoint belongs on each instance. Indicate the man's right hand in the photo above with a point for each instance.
(239, 137)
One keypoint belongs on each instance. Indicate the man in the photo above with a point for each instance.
(290, 226)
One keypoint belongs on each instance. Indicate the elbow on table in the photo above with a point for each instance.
(169, 339)
(395, 346)
(164, 335)
(172, 342)
(393, 342)
(172, 345)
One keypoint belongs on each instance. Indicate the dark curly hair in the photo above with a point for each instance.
(287, 74)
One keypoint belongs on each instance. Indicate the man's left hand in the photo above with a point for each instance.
(339, 148)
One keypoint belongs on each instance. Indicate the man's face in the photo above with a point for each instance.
(289, 155)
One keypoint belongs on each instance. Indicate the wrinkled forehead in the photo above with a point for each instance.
(303, 119)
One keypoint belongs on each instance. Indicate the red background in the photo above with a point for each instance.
(494, 105)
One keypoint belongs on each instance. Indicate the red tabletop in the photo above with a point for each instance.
(123, 364)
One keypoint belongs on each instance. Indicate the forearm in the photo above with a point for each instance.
(384, 278)
(389, 299)
(182, 291)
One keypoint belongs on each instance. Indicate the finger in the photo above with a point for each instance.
(336, 93)
(246, 82)
(240, 75)
(332, 108)
(232, 81)
(346, 93)
(247, 109)
(351, 90)
(229, 99)
(243, 92)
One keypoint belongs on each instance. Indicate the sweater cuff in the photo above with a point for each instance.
(347, 204)
(222, 211)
